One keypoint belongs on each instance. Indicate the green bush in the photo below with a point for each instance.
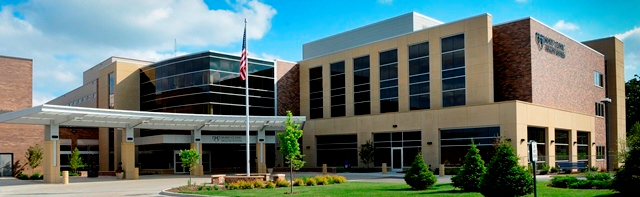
(36, 176)
(468, 179)
(215, 187)
(593, 169)
(298, 182)
(505, 177)
(282, 183)
(245, 184)
(419, 177)
(73, 174)
(544, 169)
(627, 179)
(322, 180)
(23, 176)
(258, 184)
(339, 179)
(563, 181)
(270, 185)
(311, 182)
(580, 184)
(602, 176)
(233, 186)
(554, 169)
(601, 184)
(330, 179)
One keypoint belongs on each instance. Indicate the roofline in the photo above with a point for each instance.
(536, 20)
(399, 35)
(598, 39)
(19, 58)
(385, 20)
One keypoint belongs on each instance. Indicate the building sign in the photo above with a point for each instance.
(550, 45)
(227, 139)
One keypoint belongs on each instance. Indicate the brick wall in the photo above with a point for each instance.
(16, 94)
(78, 133)
(288, 76)
(512, 61)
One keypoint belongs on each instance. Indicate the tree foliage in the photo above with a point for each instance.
(190, 159)
(632, 91)
(471, 172)
(627, 179)
(75, 161)
(34, 156)
(366, 153)
(289, 146)
(419, 177)
(505, 177)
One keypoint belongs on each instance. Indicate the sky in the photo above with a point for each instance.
(66, 37)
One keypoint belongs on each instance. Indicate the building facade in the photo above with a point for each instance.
(16, 94)
(199, 83)
(434, 89)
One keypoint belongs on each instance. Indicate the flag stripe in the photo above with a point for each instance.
(243, 57)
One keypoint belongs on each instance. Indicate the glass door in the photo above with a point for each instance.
(396, 159)
(177, 164)
(206, 161)
(6, 165)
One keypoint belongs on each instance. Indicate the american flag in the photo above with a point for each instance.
(243, 57)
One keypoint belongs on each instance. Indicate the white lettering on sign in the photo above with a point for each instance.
(226, 138)
(550, 45)
(534, 151)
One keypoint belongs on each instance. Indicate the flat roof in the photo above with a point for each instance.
(95, 117)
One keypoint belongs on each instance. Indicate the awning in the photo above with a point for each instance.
(96, 117)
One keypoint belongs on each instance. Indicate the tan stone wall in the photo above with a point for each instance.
(478, 58)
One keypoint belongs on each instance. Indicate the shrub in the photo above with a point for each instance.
(563, 181)
(554, 169)
(330, 179)
(73, 174)
(601, 184)
(419, 176)
(321, 180)
(627, 178)
(505, 177)
(270, 185)
(298, 182)
(602, 176)
(233, 186)
(468, 179)
(580, 184)
(245, 184)
(544, 168)
(593, 169)
(339, 179)
(23, 176)
(258, 184)
(36, 176)
(282, 183)
(215, 187)
(311, 182)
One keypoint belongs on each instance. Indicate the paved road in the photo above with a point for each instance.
(151, 185)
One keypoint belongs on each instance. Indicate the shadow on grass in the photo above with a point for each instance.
(436, 189)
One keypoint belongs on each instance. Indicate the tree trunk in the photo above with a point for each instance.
(291, 175)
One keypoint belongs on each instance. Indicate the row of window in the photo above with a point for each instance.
(83, 99)
(453, 80)
(562, 144)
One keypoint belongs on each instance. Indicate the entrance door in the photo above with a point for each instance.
(6, 164)
(396, 159)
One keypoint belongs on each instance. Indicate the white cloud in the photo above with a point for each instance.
(631, 41)
(40, 98)
(66, 37)
(387, 2)
(270, 56)
(562, 25)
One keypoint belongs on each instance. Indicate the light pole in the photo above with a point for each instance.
(606, 102)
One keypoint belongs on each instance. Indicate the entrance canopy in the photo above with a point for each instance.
(95, 117)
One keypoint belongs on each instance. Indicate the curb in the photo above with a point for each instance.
(167, 193)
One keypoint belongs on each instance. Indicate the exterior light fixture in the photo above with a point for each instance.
(395, 126)
(508, 139)
(553, 141)
(574, 142)
(593, 144)
(522, 140)
(308, 147)
(429, 143)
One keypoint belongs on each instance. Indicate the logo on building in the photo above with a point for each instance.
(227, 139)
(550, 45)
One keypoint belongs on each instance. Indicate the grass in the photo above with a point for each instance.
(390, 189)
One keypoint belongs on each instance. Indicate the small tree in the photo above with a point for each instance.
(366, 153)
(505, 177)
(627, 178)
(34, 157)
(190, 158)
(75, 161)
(419, 177)
(289, 146)
(470, 175)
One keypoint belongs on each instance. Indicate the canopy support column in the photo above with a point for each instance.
(196, 144)
(127, 154)
(51, 154)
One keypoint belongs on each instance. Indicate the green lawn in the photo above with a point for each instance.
(389, 189)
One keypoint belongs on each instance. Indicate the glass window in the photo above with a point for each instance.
(419, 90)
(453, 71)
(538, 135)
(315, 95)
(600, 152)
(338, 98)
(562, 145)
(409, 141)
(454, 144)
(583, 146)
(598, 79)
(112, 88)
(389, 81)
(336, 150)
(362, 91)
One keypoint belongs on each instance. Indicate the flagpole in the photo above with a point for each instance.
(246, 84)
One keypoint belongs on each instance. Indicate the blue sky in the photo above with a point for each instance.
(64, 38)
